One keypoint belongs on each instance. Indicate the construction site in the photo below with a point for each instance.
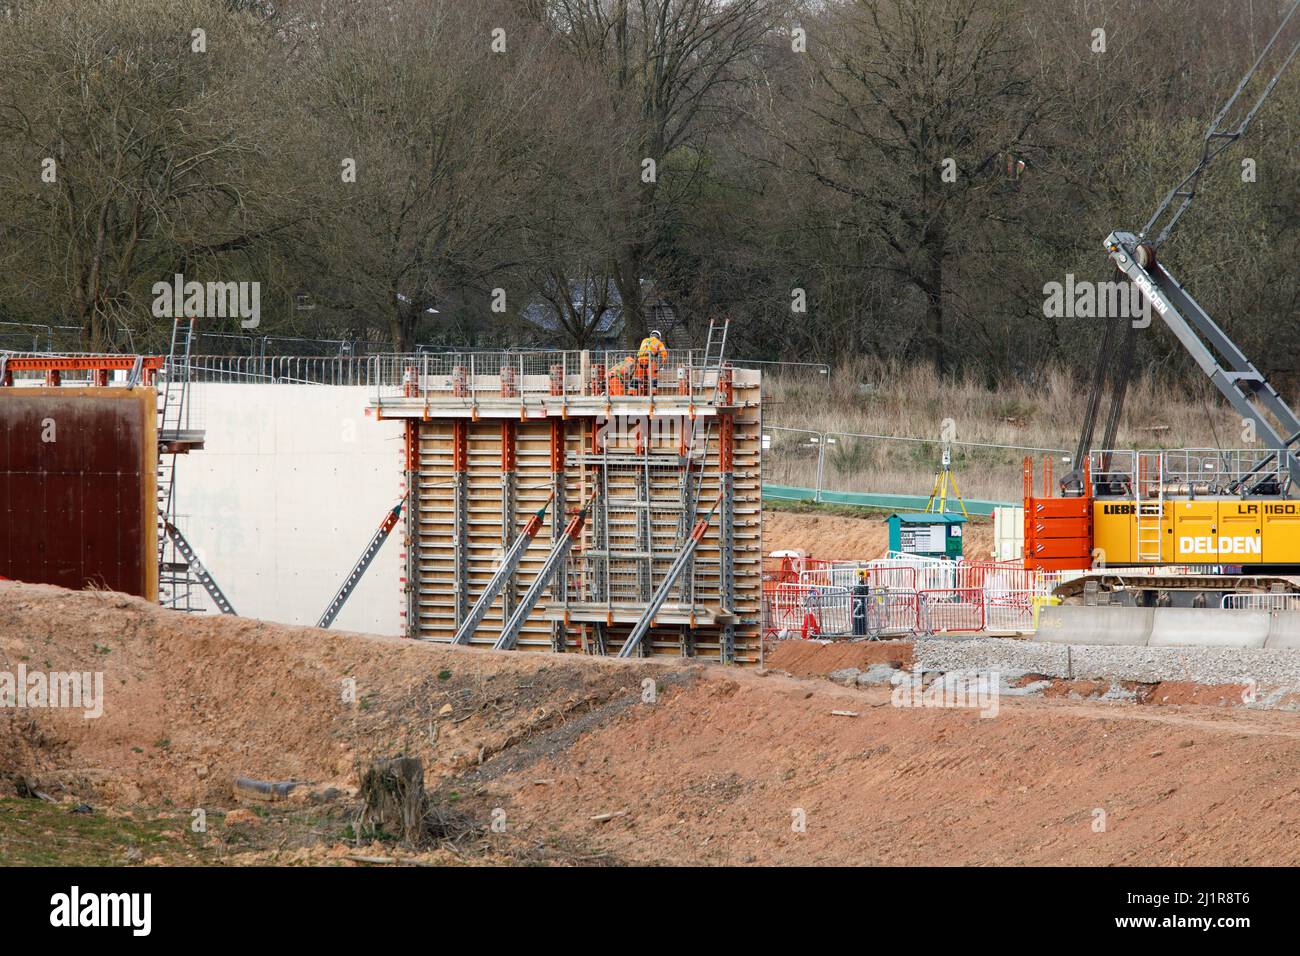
(598, 606)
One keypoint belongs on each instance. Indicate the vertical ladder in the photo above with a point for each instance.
(1149, 512)
(715, 348)
(713, 359)
(175, 580)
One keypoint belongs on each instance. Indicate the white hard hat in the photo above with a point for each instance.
(656, 334)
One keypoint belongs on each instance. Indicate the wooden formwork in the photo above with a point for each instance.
(480, 468)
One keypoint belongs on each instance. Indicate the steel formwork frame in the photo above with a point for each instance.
(557, 448)
(460, 506)
(645, 468)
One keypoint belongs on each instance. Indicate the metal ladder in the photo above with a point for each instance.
(1149, 513)
(175, 580)
(691, 496)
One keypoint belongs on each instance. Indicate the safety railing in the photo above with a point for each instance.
(542, 376)
(1147, 474)
(1261, 602)
(282, 369)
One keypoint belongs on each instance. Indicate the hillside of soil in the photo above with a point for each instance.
(585, 765)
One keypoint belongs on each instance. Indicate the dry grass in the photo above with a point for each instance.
(869, 397)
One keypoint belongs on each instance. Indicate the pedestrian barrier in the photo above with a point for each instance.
(891, 613)
(1010, 610)
(905, 594)
(945, 610)
(805, 610)
(1261, 602)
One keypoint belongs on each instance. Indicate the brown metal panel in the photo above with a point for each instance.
(78, 510)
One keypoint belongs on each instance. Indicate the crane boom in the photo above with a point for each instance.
(1218, 356)
(1217, 139)
(1135, 256)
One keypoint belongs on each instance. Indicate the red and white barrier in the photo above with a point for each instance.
(907, 594)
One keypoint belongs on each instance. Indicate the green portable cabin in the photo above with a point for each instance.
(927, 535)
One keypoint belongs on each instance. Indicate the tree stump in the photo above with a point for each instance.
(393, 798)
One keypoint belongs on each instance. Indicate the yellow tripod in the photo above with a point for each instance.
(944, 477)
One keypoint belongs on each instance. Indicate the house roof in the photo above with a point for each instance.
(542, 314)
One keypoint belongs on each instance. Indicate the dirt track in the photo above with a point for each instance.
(712, 772)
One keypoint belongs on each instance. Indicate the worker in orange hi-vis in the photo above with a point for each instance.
(621, 376)
(650, 357)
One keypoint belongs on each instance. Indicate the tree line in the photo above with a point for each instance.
(897, 179)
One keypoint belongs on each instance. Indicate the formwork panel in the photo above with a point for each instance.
(645, 506)
(77, 484)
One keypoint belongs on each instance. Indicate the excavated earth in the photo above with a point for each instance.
(590, 761)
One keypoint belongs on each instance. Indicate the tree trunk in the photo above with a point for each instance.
(627, 277)
(402, 329)
(934, 311)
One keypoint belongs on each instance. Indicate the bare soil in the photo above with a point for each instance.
(843, 537)
(801, 658)
(722, 766)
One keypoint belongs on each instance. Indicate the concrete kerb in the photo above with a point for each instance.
(1114, 626)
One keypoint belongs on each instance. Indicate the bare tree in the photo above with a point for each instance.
(913, 108)
(424, 129)
(664, 64)
(121, 158)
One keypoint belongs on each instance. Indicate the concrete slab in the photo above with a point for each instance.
(1107, 625)
(1208, 627)
(1284, 631)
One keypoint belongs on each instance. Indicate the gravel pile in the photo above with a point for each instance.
(1278, 668)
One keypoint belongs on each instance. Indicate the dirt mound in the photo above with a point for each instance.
(840, 537)
(718, 765)
(193, 701)
(818, 658)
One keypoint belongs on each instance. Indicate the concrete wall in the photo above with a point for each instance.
(293, 482)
